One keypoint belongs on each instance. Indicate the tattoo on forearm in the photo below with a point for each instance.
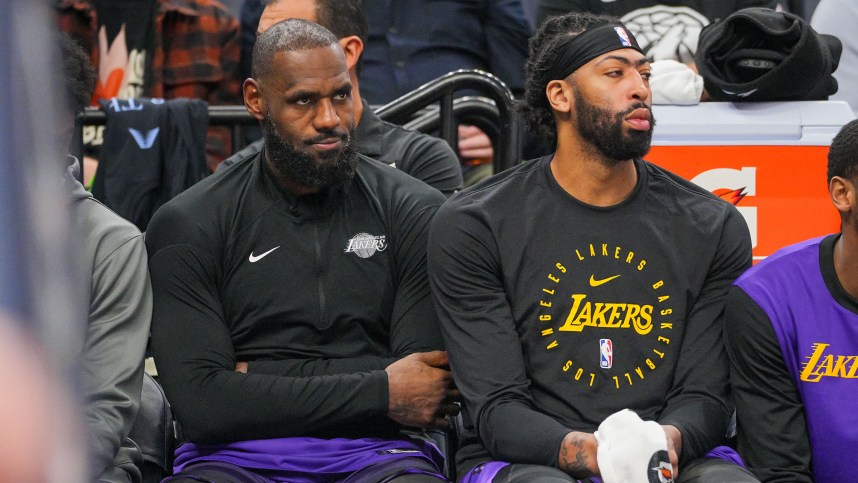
(572, 459)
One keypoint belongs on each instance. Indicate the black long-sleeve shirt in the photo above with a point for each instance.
(317, 293)
(557, 314)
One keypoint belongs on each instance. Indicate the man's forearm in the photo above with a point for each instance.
(317, 367)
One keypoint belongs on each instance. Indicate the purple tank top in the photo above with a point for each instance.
(819, 340)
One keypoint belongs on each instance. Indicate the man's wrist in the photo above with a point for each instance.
(577, 455)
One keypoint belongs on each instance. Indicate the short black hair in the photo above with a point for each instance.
(79, 76)
(843, 154)
(287, 36)
(342, 17)
(542, 52)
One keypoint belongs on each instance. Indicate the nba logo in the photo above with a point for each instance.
(625, 40)
(606, 353)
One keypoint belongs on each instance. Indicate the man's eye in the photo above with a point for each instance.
(305, 101)
(341, 96)
(646, 75)
(614, 73)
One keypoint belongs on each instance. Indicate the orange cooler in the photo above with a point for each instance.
(769, 159)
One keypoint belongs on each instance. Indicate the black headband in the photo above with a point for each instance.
(588, 45)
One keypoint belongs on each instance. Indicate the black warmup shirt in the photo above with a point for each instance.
(422, 156)
(319, 293)
(557, 314)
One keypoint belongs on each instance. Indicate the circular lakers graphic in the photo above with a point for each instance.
(606, 316)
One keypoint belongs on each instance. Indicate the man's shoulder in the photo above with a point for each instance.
(390, 184)
(204, 203)
(502, 189)
(787, 262)
(101, 229)
(408, 148)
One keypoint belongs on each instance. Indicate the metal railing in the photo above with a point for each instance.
(493, 114)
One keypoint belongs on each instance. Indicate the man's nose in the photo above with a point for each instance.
(326, 117)
(640, 89)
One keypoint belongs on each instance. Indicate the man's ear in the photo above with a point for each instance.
(352, 47)
(253, 101)
(842, 192)
(559, 94)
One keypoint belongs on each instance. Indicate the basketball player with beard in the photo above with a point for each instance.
(293, 327)
(588, 281)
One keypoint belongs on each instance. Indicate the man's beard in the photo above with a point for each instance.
(331, 169)
(604, 130)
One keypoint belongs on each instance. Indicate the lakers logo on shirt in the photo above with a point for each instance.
(611, 297)
(819, 365)
(365, 245)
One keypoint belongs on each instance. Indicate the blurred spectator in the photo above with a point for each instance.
(119, 303)
(160, 49)
(839, 18)
(666, 29)
(412, 42)
(423, 157)
(251, 10)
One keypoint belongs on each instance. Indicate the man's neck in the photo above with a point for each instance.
(296, 189)
(591, 178)
(846, 261)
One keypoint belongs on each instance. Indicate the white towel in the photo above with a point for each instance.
(632, 450)
(675, 83)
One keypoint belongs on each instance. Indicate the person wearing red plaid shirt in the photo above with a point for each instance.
(188, 48)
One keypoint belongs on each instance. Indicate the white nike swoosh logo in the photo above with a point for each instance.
(255, 258)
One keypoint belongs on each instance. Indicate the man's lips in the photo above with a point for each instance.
(325, 143)
(639, 119)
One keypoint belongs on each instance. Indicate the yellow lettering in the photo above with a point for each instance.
(650, 364)
(631, 314)
(592, 250)
(552, 345)
(547, 332)
(839, 369)
(617, 253)
(616, 382)
(545, 317)
(666, 311)
(579, 373)
(553, 278)
(560, 267)
(659, 354)
(599, 315)
(807, 372)
(615, 314)
(629, 378)
(657, 285)
(666, 326)
(630, 257)
(664, 339)
(854, 367)
(646, 314)
(549, 292)
(579, 254)
(662, 298)
(641, 265)
(604, 249)
(572, 323)
(639, 372)
(592, 378)
(567, 366)
(544, 303)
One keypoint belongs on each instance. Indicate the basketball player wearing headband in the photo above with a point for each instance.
(586, 282)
